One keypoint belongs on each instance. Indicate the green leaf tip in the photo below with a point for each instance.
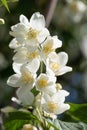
(4, 2)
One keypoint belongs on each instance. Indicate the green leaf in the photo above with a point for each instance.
(72, 126)
(22, 115)
(61, 125)
(78, 112)
(4, 2)
(8, 1)
(52, 124)
(17, 119)
(15, 124)
(34, 91)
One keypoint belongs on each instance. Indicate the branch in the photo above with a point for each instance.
(50, 11)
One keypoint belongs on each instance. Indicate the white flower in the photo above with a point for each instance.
(46, 83)
(29, 127)
(49, 45)
(78, 6)
(24, 79)
(25, 75)
(56, 63)
(55, 104)
(26, 54)
(30, 32)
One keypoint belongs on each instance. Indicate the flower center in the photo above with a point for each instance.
(18, 43)
(54, 66)
(48, 48)
(52, 106)
(42, 83)
(32, 55)
(33, 33)
(27, 77)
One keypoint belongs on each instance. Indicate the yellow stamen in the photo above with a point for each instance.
(27, 78)
(54, 66)
(48, 48)
(52, 106)
(32, 34)
(42, 83)
(32, 55)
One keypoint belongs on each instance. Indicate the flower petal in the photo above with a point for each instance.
(25, 96)
(33, 66)
(53, 57)
(16, 67)
(62, 108)
(64, 70)
(63, 58)
(20, 56)
(14, 44)
(37, 21)
(20, 27)
(13, 80)
(24, 20)
(59, 97)
(43, 35)
(57, 42)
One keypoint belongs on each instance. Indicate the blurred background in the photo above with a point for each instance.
(65, 18)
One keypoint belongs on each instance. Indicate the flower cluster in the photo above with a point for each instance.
(36, 65)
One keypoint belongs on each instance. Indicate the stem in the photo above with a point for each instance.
(41, 67)
(39, 114)
(43, 124)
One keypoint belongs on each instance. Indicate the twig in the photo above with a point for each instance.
(50, 11)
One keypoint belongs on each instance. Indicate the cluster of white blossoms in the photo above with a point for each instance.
(36, 65)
